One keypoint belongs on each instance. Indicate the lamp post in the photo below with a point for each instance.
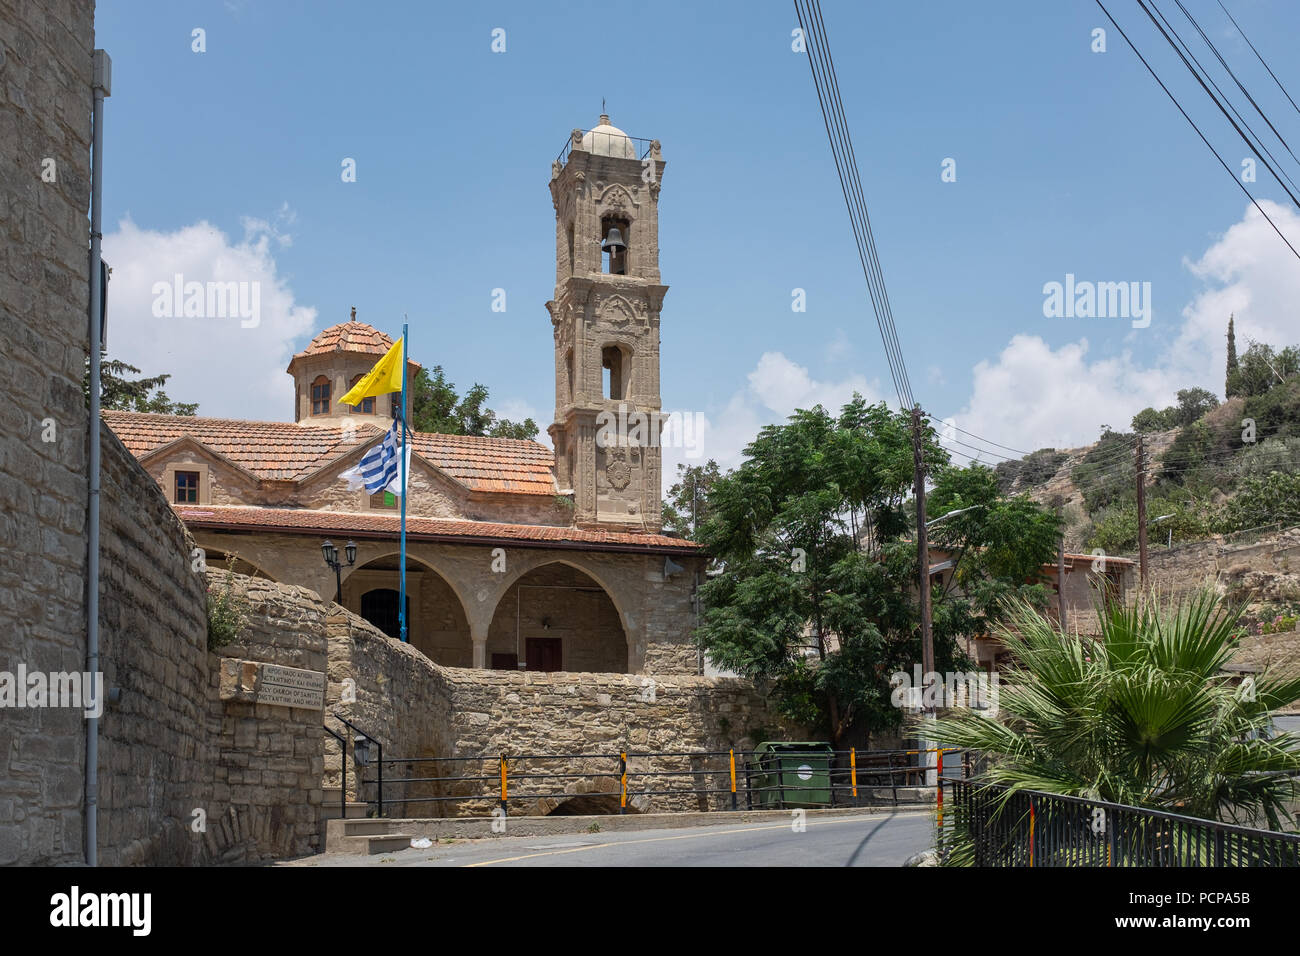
(331, 554)
(1168, 546)
(951, 514)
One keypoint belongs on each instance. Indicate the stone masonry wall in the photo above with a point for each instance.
(155, 757)
(419, 709)
(45, 72)
(1270, 567)
(264, 800)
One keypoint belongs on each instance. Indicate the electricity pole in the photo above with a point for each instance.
(1060, 571)
(922, 548)
(1142, 511)
(923, 564)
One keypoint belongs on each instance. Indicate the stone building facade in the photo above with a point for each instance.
(518, 557)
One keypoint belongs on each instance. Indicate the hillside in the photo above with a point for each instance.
(1214, 467)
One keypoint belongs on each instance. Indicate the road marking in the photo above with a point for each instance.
(682, 836)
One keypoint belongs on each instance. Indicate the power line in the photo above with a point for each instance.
(1197, 76)
(822, 66)
(1257, 55)
(1224, 64)
(1174, 100)
(1223, 96)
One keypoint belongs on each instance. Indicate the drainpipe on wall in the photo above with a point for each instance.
(101, 84)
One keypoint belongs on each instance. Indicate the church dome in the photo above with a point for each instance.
(608, 140)
(350, 336)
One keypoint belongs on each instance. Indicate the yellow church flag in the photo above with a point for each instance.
(385, 377)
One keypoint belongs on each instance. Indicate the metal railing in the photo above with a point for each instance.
(343, 764)
(663, 781)
(636, 145)
(991, 825)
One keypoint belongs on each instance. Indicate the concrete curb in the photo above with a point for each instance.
(338, 839)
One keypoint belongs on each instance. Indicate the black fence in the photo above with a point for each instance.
(991, 825)
(620, 145)
(660, 781)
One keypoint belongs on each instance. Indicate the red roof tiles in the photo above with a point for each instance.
(349, 337)
(369, 524)
(290, 451)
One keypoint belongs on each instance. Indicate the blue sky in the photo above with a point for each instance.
(1067, 161)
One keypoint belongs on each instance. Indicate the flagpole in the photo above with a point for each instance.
(401, 600)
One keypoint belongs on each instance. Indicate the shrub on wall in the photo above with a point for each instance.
(227, 611)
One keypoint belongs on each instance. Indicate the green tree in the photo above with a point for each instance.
(1260, 368)
(1262, 500)
(807, 533)
(1192, 404)
(437, 407)
(123, 394)
(1230, 377)
(999, 546)
(1149, 420)
(686, 507)
(1143, 715)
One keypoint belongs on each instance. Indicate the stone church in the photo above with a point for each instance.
(519, 557)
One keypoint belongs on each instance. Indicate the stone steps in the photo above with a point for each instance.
(367, 836)
(330, 805)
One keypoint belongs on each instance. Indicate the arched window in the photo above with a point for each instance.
(614, 248)
(367, 406)
(615, 375)
(320, 396)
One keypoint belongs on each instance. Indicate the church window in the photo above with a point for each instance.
(187, 487)
(320, 396)
(614, 377)
(367, 406)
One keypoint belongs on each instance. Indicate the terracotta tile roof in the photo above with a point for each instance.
(290, 451)
(371, 524)
(491, 464)
(268, 450)
(349, 337)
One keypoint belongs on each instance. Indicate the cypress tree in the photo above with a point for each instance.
(1230, 383)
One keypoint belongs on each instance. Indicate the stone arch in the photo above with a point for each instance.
(573, 621)
(439, 623)
(217, 558)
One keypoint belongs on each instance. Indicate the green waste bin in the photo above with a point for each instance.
(792, 774)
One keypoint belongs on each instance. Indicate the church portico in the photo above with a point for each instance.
(617, 606)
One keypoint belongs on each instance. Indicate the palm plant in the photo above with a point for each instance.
(1144, 715)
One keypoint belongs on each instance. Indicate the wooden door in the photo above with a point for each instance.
(543, 654)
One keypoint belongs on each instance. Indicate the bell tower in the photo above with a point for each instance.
(605, 315)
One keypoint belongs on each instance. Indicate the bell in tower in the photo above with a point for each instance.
(605, 315)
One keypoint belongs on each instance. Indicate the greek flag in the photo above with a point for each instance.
(379, 469)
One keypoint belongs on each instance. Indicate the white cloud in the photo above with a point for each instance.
(1033, 396)
(232, 371)
(775, 388)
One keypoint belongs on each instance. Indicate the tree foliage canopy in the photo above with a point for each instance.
(437, 407)
(123, 394)
(816, 588)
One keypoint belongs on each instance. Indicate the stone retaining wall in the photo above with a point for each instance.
(419, 709)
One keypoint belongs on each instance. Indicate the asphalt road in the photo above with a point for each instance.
(877, 839)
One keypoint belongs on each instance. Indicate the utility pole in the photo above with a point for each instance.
(928, 756)
(922, 548)
(1060, 571)
(1142, 510)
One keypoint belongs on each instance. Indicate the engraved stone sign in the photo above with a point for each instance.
(291, 687)
(274, 684)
